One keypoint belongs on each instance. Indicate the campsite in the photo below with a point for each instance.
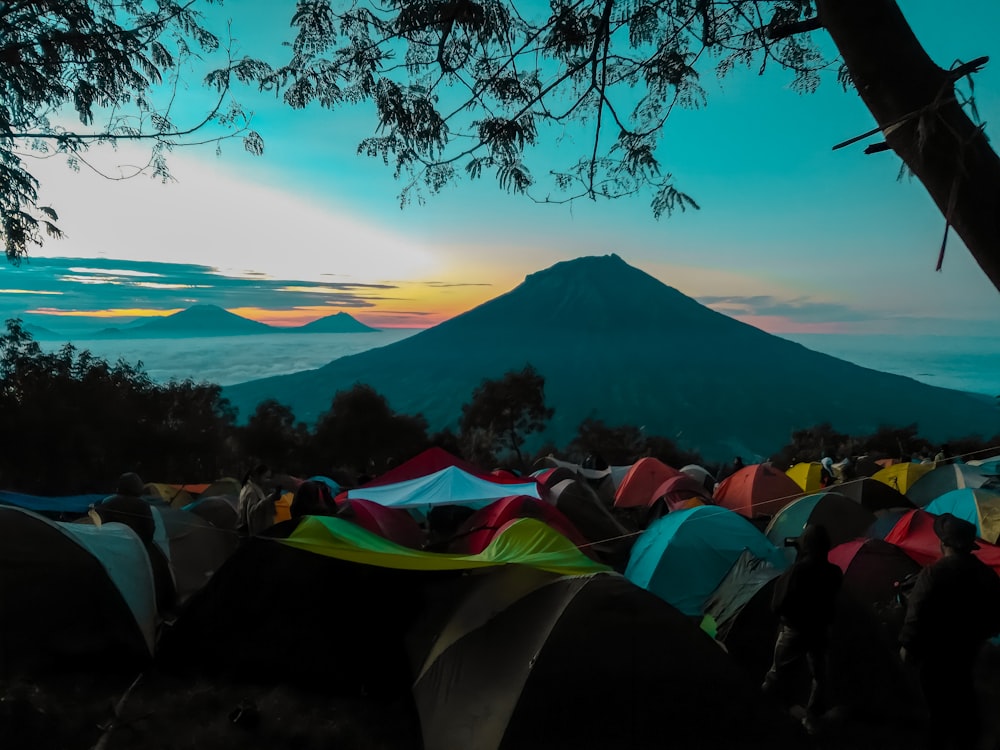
(446, 606)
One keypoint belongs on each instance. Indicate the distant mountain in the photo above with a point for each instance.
(616, 344)
(339, 323)
(212, 320)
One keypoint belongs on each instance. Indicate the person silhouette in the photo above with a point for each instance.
(953, 608)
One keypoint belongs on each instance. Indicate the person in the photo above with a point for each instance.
(737, 464)
(312, 498)
(826, 474)
(953, 608)
(942, 455)
(805, 600)
(255, 511)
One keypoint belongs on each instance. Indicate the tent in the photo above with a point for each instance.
(914, 534)
(67, 504)
(978, 506)
(522, 661)
(872, 568)
(741, 608)
(701, 474)
(808, 475)
(948, 477)
(394, 524)
(873, 494)
(193, 547)
(844, 519)
(72, 595)
(224, 486)
(576, 500)
(449, 486)
(638, 487)
(173, 495)
(682, 491)
(476, 533)
(683, 556)
(218, 510)
(900, 476)
(757, 490)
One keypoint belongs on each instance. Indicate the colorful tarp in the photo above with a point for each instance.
(525, 541)
(40, 504)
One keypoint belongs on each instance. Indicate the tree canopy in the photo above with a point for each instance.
(474, 87)
(77, 73)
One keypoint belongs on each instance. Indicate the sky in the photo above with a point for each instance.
(792, 236)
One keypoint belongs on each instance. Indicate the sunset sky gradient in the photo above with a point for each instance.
(792, 236)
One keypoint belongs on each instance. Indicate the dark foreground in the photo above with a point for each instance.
(163, 712)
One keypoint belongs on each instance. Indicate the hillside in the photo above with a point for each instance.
(616, 344)
(212, 320)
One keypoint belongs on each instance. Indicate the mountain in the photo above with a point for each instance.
(338, 323)
(616, 344)
(212, 320)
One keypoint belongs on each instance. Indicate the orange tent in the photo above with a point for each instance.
(757, 490)
(639, 485)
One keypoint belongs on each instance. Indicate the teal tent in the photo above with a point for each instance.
(683, 557)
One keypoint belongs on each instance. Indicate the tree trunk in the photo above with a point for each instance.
(899, 83)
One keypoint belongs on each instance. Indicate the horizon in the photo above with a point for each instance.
(792, 237)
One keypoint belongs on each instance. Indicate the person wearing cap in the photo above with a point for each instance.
(953, 609)
(805, 600)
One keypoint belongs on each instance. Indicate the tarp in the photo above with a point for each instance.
(757, 490)
(40, 504)
(72, 591)
(524, 541)
(808, 475)
(432, 461)
(683, 556)
(539, 664)
(978, 506)
(948, 477)
(901, 476)
(638, 487)
(449, 486)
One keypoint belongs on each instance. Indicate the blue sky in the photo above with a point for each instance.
(791, 236)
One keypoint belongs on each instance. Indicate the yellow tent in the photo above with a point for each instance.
(807, 475)
(168, 493)
(902, 476)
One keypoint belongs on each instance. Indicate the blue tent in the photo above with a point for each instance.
(683, 557)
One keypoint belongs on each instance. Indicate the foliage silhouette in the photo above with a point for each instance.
(459, 86)
(118, 67)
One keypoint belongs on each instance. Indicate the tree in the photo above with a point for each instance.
(117, 65)
(272, 436)
(502, 413)
(477, 86)
(361, 432)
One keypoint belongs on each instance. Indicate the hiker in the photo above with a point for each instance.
(255, 511)
(313, 498)
(805, 600)
(953, 608)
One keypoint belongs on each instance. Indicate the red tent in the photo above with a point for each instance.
(639, 485)
(395, 524)
(433, 460)
(475, 534)
(914, 534)
(757, 490)
(871, 569)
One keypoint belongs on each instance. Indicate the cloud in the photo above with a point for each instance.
(800, 309)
